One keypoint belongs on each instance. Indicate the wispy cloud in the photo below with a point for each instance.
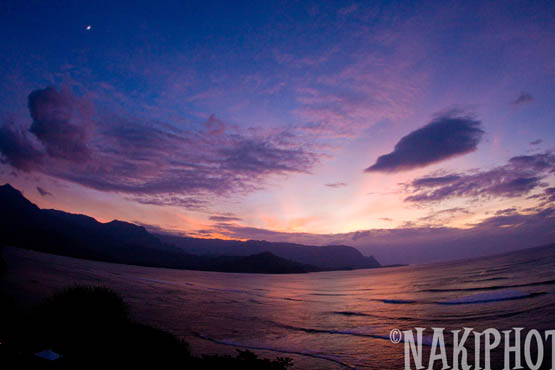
(336, 185)
(224, 218)
(161, 200)
(546, 198)
(520, 176)
(440, 217)
(523, 98)
(506, 211)
(536, 142)
(153, 162)
(43, 192)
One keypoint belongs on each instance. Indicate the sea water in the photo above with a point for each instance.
(325, 320)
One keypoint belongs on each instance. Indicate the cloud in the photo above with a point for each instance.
(345, 11)
(152, 162)
(167, 200)
(441, 216)
(547, 197)
(58, 123)
(214, 126)
(373, 85)
(536, 142)
(435, 181)
(224, 218)
(43, 192)
(520, 176)
(17, 149)
(336, 185)
(418, 244)
(506, 211)
(443, 138)
(497, 234)
(259, 157)
(523, 98)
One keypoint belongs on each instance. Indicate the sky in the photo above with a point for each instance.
(414, 131)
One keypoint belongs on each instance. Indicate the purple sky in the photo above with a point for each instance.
(415, 131)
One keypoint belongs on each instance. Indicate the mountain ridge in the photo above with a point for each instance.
(25, 225)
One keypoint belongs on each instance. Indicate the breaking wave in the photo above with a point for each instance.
(504, 295)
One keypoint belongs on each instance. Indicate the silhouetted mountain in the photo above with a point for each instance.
(264, 262)
(25, 225)
(333, 257)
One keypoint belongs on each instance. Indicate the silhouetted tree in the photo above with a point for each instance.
(90, 327)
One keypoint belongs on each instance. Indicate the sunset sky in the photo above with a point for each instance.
(395, 127)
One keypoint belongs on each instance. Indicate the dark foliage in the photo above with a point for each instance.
(244, 360)
(90, 328)
(2, 262)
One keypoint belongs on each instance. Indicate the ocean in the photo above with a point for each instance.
(324, 320)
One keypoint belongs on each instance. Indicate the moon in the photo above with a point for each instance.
(88, 28)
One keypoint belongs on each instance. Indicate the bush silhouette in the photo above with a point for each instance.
(93, 323)
(2, 262)
(90, 327)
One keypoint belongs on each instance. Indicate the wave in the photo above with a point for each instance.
(501, 295)
(229, 290)
(158, 281)
(449, 318)
(291, 299)
(362, 314)
(395, 301)
(352, 313)
(495, 287)
(505, 295)
(275, 349)
(488, 279)
(362, 331)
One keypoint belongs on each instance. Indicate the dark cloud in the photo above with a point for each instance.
(523, 98)
(547, 197)
(446, 136)
(536, 142)
(224, 218)
(336, 185)
(153, 162)
(43, 192)
(17, 149)
(520, 176)
(58, 122)
(506, 211)
(435, 181)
